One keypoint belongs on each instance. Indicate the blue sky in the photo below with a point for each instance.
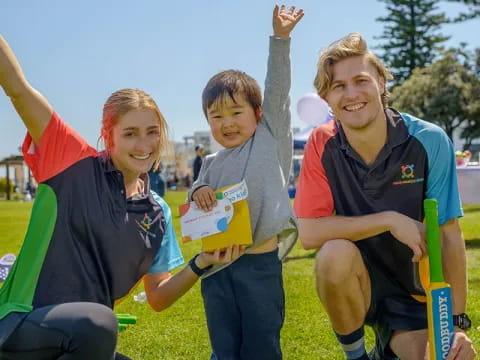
(78, 52)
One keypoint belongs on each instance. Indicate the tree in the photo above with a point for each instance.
(472, 130)
(446, 93)
(477, 62)
(3, 185)
(471, 61)
(473, 10)
(412, 35)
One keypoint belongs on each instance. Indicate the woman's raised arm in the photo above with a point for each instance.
(32, 107)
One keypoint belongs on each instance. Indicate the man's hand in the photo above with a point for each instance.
(219, 257)
(205, 198)
(409, 232)
(462, 347)
(285, 20)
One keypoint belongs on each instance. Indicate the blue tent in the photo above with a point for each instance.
(300, 138)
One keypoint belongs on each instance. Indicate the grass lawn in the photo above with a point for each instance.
(180, 332)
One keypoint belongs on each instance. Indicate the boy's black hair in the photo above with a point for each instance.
(229, 83)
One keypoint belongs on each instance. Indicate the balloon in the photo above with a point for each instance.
(313, 110)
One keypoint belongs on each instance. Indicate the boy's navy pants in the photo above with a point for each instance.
(245, 308)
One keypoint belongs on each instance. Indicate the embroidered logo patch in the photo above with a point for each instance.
(407, 171)
(145, 224)
(407, 175)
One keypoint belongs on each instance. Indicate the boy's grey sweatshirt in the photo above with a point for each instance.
(264, 161)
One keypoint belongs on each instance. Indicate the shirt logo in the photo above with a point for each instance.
(145, 224)
(407, 175)
(407, 171)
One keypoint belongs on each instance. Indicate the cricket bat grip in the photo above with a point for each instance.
(433, 240)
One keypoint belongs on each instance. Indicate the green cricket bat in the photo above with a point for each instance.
(439, 299)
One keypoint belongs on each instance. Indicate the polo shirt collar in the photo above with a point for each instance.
(396, 129)
(146, 188)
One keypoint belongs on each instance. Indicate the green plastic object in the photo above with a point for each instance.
(433, 240)
(124, 320)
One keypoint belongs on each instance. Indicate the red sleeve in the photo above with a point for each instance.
(60, 147)
(313, 197)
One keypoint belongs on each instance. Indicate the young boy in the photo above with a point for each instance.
(244, 302)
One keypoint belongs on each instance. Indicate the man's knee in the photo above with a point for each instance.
(336, 261)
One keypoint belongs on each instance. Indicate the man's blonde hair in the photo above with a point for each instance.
(350, 45)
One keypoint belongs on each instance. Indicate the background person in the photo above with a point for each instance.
(157, 181)
(197, 162)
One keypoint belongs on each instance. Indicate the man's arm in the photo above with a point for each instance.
(32, 107)
(455, 272)
(455, 263)
(315, 232)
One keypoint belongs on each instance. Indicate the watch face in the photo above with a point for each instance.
(462, 321)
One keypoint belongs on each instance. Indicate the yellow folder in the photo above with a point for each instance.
(239, 230)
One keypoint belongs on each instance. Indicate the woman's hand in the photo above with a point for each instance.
(218, 256)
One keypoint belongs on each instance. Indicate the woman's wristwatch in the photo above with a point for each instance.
(462, 321)
(199, 272)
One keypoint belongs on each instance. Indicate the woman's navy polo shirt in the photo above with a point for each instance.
(417, 162)
(85, 241)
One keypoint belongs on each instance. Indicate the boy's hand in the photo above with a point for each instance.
(219, 257)
(285, 20)
(205, 198)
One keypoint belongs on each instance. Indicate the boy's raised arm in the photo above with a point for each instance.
(32, 107)
(285, 20)
(276, 105)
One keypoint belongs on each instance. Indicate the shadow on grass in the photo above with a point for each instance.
(302, 257)
(475, 282)
(471, 209)
(472, 244)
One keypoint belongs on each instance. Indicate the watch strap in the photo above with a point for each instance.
(462, 321)
(199, 272)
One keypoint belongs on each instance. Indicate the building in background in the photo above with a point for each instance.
(18, 178)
